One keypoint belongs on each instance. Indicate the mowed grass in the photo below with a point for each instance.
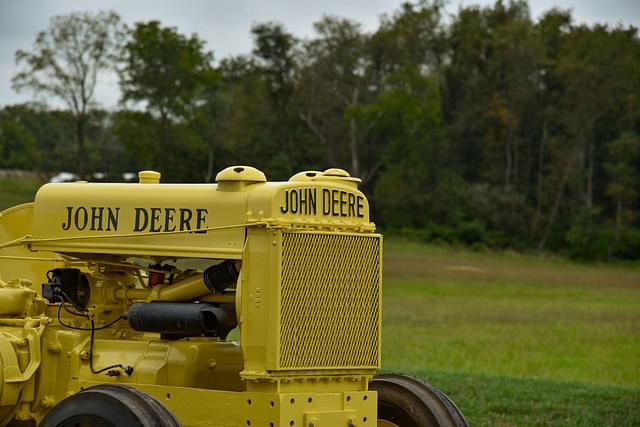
(515, 339)
(14, 191)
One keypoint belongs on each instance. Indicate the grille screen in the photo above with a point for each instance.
(330, 297)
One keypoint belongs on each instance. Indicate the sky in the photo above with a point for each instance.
(225, 24)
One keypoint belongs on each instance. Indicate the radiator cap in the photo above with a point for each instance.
(235, 178)
(339, 175)
(336, 172)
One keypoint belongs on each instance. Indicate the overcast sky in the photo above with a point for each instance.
(225, 24)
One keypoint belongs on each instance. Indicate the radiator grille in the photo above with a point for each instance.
(330, 301)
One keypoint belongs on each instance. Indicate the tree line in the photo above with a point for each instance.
(487, 128)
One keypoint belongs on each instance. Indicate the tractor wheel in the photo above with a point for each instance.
(404, 401)
(110, 405)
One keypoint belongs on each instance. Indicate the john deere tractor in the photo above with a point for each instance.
(240, 303)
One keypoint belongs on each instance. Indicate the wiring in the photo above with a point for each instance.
(84, 313)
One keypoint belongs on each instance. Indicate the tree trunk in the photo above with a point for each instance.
(589, 192)
(209, 176)
(556, 202)
(543, 143)
(353, 136)
(353, 148)
(162, 145)
(516, 166)
(618, 230)
(507, 168)
(82, 155)
(313, 127)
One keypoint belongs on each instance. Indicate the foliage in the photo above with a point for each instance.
(172, 76)
(586, 239)
(17, 190)
(163, 69)
(489, 128)
(17, 146)
(67, 61)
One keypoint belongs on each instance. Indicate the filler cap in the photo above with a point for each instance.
(339, 175)
(305, 176)
(149, 177)
(235, 178)
(336, 172)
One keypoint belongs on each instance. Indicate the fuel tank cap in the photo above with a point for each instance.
(149, 177)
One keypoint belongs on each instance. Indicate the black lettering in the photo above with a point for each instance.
(360, 206)
(112, 219)
(312, 201)
(81, 223)
(294, 203)
(201, 217)
(326, 201)
(352, 205)
(96, 218)
(334, 202)
(67, 225)
(285, 208)
(142, 218)
(155, 220)
(343, 203)
(185, 219)
(304, 209)
(168, 219)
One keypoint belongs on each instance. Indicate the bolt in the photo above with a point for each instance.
(48, 401)
(54, 347)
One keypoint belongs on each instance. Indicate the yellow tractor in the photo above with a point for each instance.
(240, 303)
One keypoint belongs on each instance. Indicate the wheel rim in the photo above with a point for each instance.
(86, 421)
(385, 423)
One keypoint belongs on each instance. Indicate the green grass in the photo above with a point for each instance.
(14, 191)
(491, 400)
(515, 339)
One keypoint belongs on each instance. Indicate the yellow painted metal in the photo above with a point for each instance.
(308, 297)
(17, 261)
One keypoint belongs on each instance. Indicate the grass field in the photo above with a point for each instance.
(14, 191)
(514, 339)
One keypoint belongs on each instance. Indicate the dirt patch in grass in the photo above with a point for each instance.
(481, 268)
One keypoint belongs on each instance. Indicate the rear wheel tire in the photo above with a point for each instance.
(110, 405)
(404, 401)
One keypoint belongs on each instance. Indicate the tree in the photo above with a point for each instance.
(624, 178)
(408, 116)
(334, 83)
(274, 50)
(166, 72)
(413, 37)
(66, 62)
(17, 146)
